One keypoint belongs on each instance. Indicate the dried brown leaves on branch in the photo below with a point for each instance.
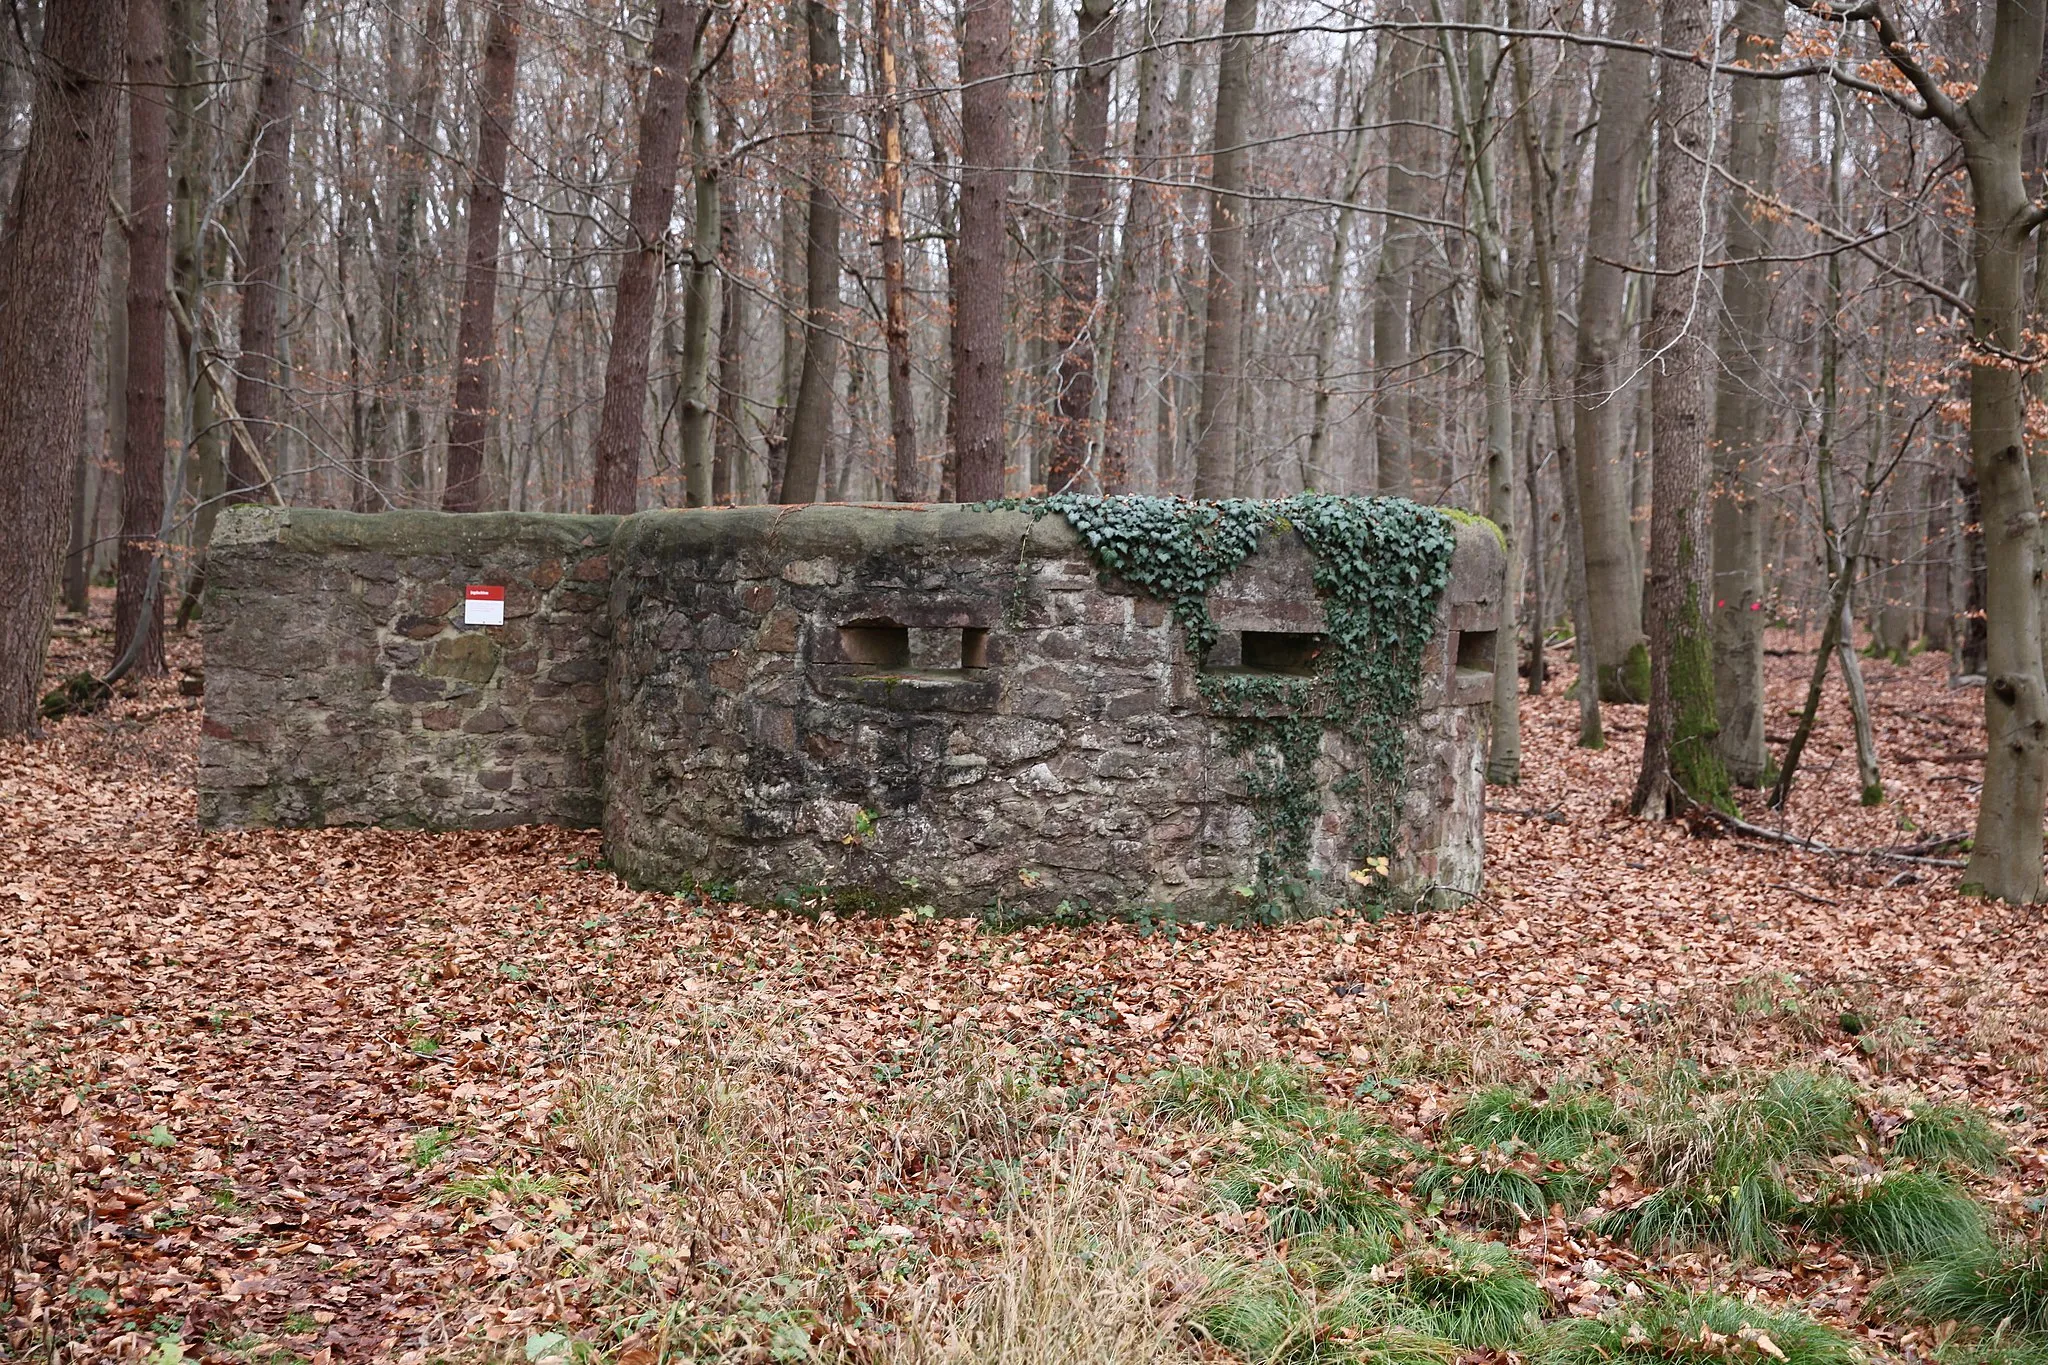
(353, 1095)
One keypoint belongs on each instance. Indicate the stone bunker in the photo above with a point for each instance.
(881, 707)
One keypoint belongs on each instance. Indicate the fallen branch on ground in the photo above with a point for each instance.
(1899, 855)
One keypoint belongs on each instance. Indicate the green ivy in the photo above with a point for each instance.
(1380, 567)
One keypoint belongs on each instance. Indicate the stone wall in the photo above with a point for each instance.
(342, 688)
(908, 705)
(951, 706)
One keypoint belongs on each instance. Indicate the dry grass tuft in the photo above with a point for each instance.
(1085, 1278)
(1426, 1033)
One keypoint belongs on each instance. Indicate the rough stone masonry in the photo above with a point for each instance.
(879, 705)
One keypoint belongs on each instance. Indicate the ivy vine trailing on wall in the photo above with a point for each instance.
(1381, 565)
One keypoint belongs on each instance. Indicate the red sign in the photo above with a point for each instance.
(483, 604)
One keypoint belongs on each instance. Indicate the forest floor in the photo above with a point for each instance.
(379, 1095)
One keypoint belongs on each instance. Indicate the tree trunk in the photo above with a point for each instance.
(906, 480)
(1472, 122)
(1081, 249)
(2005, 859)
(476, 360)
(252, 460)
(138, 600)
(1543, 239)
(1409, 104)
(1937, 608)
(615, 485)
(1222, 371)
(78, 548)
(191, 269)
(1613, 585)
(978, 259)
(49, 278)
(401, 368)
(1128, 459)
(1330, 312)
(1973, 653)
(1680, 763)
(700, 297)
(1741, 415)
(729, 462)
(810, 425)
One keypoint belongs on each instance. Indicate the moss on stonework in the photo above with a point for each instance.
(1458, 516)
(1380, 567)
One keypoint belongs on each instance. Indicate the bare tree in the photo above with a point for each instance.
(615, 485)
(476, 359)
(1135, 302)
(1081, 252)
(49, 277)
(811, 425)
(138, 572)
(1216, 473)
(1989, 127)
(1410, 97)
(251, 457)
(1620, 148)
(1680, 764)
(1472, 121)
(701, 288)
(906, 481)
(401, 361)
(1741, 412)
(979, 256)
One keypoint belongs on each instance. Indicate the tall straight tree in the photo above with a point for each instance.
(979, 258)
(191, 268)
(476, 357)
(49, 282)
(138, 577)
(1330, 308)
(401, 365)
(1081, 252)
(1410, 105)
(1621, 145)
(1126, 466)
(810, 425)
(1472, 121)
(1680, 763)
(700, 294)
(1990, 127)
(664, 109)
(1223, 322)
(1741, 414)
(906, 481)
(251, 457)
(1543, 180)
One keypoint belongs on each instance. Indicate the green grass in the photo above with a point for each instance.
(1530, 1154)
(1564, 1128)
(515, 1185)
(1304, 1186)
(1499, 1196)
(1680, 1328)
(1474, 1293)
(1991, 1349)
(1902, 1216)
(1999, 1286)
(1234, 1091)
(428, 1144)
(1732, 1161)
(1262, 1315)
(1953, 1136)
